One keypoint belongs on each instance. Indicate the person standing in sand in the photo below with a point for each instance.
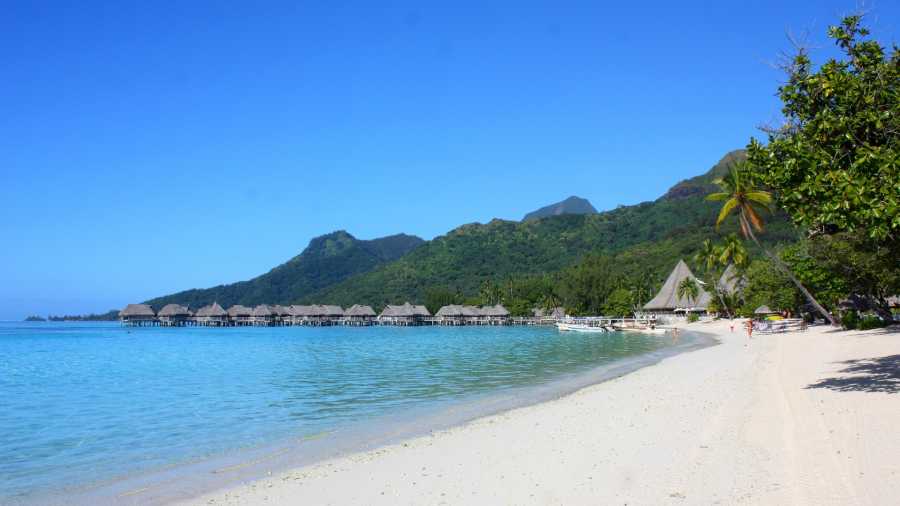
(750, 329)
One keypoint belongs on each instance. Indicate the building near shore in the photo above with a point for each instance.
(263, 315)
(174, 315)
(240, 316)
(668, 302)
(406, 314)
(359, 315)
(494, 315)
(211, 316)
(138, 315)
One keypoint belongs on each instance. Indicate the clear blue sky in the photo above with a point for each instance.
(151, 148)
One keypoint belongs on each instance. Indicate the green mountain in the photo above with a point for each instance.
(327, 260)
(572, 205)
(646, 240)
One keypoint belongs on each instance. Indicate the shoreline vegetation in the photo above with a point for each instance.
(799, 418)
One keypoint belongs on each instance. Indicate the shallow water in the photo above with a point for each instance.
(83, 403)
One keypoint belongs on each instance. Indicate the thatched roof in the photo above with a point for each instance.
(329, 310)
(497, 310)
(280, 310)
(358, 310)
(406, 310)
(211, 310)
(449, 310)
(137, 310)
(894, 301)
(262, 310)
(170, 310)
(301, 310)
(763, 310)
(239, 310)
(731, 282)
(668, 299)
(557, 312)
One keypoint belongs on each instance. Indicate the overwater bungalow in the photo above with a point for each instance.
(667, 303)
(174, 315)
(494, 315)
(240, 316)
(359, 315)
(333, 314)
(300, 314)
(282, 314)
(138, 315)
(263, 316)
(211, 316)
(451, 314)
(406, 314)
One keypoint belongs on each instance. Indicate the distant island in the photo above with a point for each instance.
(109, 316)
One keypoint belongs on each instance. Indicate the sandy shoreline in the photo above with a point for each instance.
(769, 421)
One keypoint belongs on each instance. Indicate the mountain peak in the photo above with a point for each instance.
(703, 184)
(571, 205)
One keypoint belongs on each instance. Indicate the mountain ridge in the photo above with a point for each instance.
(327, 259)
(570, 205)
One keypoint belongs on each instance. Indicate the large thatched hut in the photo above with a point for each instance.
(138, 315)
(494, 315)
(668, 302)
(211, 316)
(174, 315)
(359, 315)
(263, 315)
(406, 314)
(300, 315)
(240, 315)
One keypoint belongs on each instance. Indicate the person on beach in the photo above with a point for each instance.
(750, 329)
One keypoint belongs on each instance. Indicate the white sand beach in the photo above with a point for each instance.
(800, 418)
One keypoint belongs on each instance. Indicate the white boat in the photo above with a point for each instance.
(580, 327)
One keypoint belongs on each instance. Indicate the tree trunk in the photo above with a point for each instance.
(787, 271)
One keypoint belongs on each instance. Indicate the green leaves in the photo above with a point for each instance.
(834, 164)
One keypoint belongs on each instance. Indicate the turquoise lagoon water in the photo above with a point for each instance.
(83, 404)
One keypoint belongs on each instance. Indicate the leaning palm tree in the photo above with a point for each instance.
(742, 197)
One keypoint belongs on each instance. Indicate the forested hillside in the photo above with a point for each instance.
(327, 260)
(646, 240)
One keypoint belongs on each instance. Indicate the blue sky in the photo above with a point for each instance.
(150, 148)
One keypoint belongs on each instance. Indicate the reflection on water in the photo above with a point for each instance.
(84, 402)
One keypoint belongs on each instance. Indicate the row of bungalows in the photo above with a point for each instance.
(455, 314)
(214, 315)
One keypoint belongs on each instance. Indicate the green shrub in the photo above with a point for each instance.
(850, 320)
(692, 318)
(870, 322)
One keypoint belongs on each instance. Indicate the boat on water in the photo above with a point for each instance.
(580, 327)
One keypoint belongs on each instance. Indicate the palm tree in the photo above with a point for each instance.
(733, 251)
(709, 258)
(688, 289)
(741, 196)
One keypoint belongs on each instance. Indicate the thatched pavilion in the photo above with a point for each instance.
(138, 315)
(240, 316)
(300, 315)
(263, 316)
(359, 315)
(406, 314)
(495, 315)
(211, 316)
(174, 315)
(667, 301)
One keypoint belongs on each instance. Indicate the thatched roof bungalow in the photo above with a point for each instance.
(263, 315)
(406, 314)
(731, 282)
(174, 314)
(358, 312)
(137, 314)
(212, 315)
(668, 301)
(240, 315)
